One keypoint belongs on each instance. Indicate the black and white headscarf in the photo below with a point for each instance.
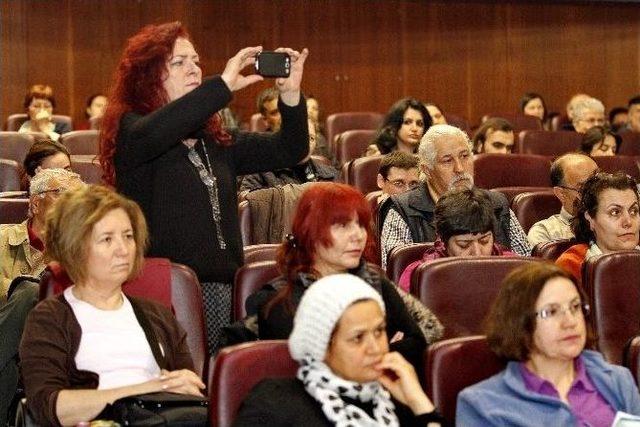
(327, 388)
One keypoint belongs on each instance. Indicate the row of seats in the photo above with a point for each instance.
(15, 145)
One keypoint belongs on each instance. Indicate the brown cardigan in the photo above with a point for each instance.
(51, 340)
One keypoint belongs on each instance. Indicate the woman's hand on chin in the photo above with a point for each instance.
(231, 74)
(399, 377)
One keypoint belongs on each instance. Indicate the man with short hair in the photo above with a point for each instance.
(587, 114)
(494, 136)
(397, 173)
(633, 124)
(568, 173)
(447, 162)
(21, 254)
(267, 104)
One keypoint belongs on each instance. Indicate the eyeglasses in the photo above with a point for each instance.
(56, 191)
(566, 187)
(403, 185)
(555, 311)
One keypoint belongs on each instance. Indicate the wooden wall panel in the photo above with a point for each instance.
(471, 57)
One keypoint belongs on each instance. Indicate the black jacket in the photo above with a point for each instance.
(310, 171)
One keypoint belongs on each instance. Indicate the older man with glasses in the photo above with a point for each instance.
(587, 114)
(447, 163)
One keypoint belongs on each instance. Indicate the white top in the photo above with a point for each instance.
(113, 344)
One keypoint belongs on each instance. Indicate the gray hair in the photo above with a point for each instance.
(581, 108)
(427, 149)
(45, 179)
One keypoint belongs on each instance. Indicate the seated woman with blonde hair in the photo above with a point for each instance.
(92, 344)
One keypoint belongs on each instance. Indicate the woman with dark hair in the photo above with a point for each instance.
(402, 128)
(532, 104)
(464, 221)
(600, 141)
(93, 112)
(46, 154)
(607, 220)
(39, 103)
(436, 113)
(537, 323)
(162, 144)
(331, 233)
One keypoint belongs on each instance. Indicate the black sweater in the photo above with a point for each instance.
(153, 169)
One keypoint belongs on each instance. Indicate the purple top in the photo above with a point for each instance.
(585, 401)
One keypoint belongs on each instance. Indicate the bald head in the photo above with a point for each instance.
(568, 173)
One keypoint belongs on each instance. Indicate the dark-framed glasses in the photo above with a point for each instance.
(403, 185)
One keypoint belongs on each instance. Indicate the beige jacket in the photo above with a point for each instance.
(17, 257)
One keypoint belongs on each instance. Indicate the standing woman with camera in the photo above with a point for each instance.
(163, 145)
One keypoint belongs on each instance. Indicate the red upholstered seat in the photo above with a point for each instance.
(522, 170)
(88, 167)
(13, 210)
(511, 192)
(535, 206)
(401, 256)
(452, 365)
(14, 145)
(261, 252)
(458, 121)
(548, 143)
(341, 122)
(173, 285)
(352, 144)
(81, 142)
(460, 290)
(519, 121)
(362, 173)
(612, 284)
(632, 358)
(248, 279)
(626, 164)
(630, 144)
(553, 249)
(9, 175)
(237, 369)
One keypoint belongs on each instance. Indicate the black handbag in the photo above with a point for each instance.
(160, 409)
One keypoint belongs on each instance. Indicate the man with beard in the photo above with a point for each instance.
(447, 162)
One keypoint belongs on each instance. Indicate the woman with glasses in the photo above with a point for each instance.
(464, 222)
(538, 324)
(607, 220)
(163, 145)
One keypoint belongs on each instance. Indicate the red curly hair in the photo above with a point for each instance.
(138, 87)
(321, 206)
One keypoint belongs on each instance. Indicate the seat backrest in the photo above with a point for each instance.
(341, 122)
(552, 249)
(13, 210)
(9, 175)
(519, 121)
(458, 121)
(548, 143)
(401, 256)
(237, 369)
(460, 290)
(511, 192)
(626, 164)
(522, 170)
(14, 145)
(244, 216)
(81, 142)
(257, 123)
(535, 206)
(352, 144)
(173, 285)
(613, 286)
(261, 252)
(250, 278)
(15, 121)
(630, 144)
(632, 358)
(454, 364)
(559, 121)
(363, 173)
(88, 167)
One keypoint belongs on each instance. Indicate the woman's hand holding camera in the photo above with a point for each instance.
(289, 87)
(231, 74)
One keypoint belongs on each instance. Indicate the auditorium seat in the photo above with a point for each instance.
(630, 144)
(511, 192)
(460, 290)
(535, 206)
(632, 358)
(95, 123)
(184, 297)
(519, 121)
(612, 285)
(14, 145)
(9, 175)
(341, 122)
(250, 278)
(401, 256)
(522, 170)
(13, 210)
(548, 143)
(257, 123)
(14, 121)
(88, 167)
(454, 364)
(237, 369)
(553, 249)
(559, 122)
(262, 252)
(362, 173)
(352, 144)
(83, 142)
(458, 121)
(626, 164)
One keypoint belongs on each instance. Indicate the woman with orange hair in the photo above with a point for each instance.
(163, 145)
